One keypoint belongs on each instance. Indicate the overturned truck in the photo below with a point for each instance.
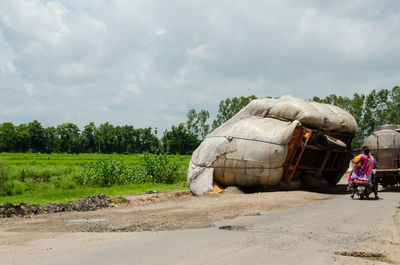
(272, 141)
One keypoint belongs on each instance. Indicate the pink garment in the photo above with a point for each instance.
(369, 166)
(364, 161)
(364, 172)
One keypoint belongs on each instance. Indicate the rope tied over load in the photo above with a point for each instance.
(230, 138)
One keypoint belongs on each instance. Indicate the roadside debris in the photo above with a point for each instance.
(154, 196)
(90, 203)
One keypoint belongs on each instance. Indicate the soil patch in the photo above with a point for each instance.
(152, 196)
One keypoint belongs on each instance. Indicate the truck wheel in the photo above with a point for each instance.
(332, 143)
(333, 181)
(309, 181)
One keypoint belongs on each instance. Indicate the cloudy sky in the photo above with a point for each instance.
(146, 63)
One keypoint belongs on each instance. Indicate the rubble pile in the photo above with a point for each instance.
(90, 203)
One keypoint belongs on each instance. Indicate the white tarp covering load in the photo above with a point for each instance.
(251, 147)
(383, 139)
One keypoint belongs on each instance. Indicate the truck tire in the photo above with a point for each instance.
(332, 143)
(309, 181)
(334, 180)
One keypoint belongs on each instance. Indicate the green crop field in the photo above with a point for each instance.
(43, 178)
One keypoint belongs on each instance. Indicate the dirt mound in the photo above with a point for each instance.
(153, 196)
(89, 203)
(232, 190)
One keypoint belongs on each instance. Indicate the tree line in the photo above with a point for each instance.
(67, 138)
(370, 110)
(107, 138)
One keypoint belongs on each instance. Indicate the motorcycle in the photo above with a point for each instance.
(363, 188)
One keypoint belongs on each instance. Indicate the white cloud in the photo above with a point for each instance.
(52, 41)
(29, 89)
(131, 85)
(202, 51)
(147, 62)
(159, 32)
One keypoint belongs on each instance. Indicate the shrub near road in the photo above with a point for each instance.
(150, 168)
(42, 178)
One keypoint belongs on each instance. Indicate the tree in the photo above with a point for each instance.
(179, 140)
(52, 140)
(119, 141)
(128, 139)
(374, 112)
(229, 107)
(7, 137)
(146, 141)
(68, 134)
(394, 105)
(196, 123)
(22, 138)
(105, 136)
(37, 136)
(87, 138)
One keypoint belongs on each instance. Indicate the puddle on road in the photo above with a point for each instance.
(89, 220)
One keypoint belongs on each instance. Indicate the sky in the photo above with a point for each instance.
(146, 63)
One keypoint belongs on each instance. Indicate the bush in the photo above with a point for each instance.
(136, 174)
(160, 168)
(104, 172)
(5, 185)
(150, 168)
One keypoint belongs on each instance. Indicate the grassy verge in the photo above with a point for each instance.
(44, 178)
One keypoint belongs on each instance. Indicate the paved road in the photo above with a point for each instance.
(304, 235)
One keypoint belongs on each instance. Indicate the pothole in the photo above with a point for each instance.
(233, 227)
(88, 220)
(365, 255)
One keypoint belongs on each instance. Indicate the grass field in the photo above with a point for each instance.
(42, 178)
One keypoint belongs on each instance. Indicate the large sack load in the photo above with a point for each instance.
(384, 145)
(251, 148)
(383, 139)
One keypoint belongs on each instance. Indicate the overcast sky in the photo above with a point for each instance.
(146, 63)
